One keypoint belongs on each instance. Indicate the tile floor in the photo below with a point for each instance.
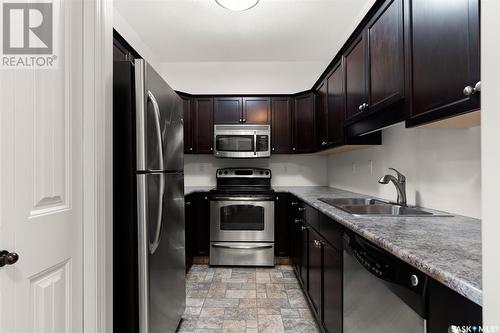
(247, 300)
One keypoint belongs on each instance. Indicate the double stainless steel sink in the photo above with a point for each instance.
(375, 207)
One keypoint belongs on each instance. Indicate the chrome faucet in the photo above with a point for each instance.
(400, 184)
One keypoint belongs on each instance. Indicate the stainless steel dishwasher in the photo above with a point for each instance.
(381, 292)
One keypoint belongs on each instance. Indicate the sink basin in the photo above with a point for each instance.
(384, 209)
(337, 202)
(375, 207)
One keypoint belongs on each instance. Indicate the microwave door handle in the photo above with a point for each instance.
(156, 109)
(255, 143)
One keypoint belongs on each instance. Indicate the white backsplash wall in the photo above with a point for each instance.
(442, 167)
(287, 170)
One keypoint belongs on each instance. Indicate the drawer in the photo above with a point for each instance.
(331, 231)
(241, 254)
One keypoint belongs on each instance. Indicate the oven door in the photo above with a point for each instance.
(241, 219)
(242, 141)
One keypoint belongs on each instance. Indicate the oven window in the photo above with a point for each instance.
(236, 143)
(242, 217)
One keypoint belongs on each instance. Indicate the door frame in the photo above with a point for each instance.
(97, 166)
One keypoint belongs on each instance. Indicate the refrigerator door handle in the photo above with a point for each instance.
(156, 108)
(142, 233)
(156, 240)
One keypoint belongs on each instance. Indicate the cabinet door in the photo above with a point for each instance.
(332, 289)
(304, 255)
(355, 78)
(303, 124)
(188, 221)
(203, 125)
(187, 124)
(281, 221)
(256, 110)
(201, 225)
(315, 269)
(447, 308)
(336, 106)
(386, 56)
(295, 224)
(321, 115)
(445, 58)
(228, 110)
(281, 125)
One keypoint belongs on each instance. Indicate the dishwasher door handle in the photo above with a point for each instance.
(242, 247)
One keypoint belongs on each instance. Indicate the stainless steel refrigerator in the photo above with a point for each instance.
(148, 221)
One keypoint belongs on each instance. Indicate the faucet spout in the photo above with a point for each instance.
(399, 183)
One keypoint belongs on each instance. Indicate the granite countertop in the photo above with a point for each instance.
(193, 189)
(448, 249)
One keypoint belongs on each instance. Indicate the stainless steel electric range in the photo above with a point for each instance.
(242, 218)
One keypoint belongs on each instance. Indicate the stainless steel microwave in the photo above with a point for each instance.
(242, 141)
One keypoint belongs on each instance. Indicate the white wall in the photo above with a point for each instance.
(287, 170)
(131, 36)
(262, 77)
(490, 78)
(442, 166)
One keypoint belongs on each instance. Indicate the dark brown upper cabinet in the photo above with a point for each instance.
(281, 125)
(355, 78)
(445, 59)
(188, 124)
(386, 65)
(303, 123)
(256, 110)
(228, 110)
(203, 135)
(321, 115)
(336, 105)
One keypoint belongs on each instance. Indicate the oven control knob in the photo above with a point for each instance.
(262, 172)
(267, 173)
(414, 280)
(220, 172)
(225, 172)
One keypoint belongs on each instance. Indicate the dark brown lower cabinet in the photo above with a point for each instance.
(447, 308)
(331, 314)
(281, 219)
(315, 269)
(201, 224)
(304, 251)
(188, 233)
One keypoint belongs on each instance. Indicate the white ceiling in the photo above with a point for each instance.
(275, 31)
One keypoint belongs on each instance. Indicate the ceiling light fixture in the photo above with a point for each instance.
(237, 5)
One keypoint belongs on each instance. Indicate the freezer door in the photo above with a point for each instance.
(161, 251)
(160, 138)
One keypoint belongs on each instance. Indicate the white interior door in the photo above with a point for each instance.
(41, 186)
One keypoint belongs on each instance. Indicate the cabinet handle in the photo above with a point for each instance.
(272, 149)
(188, 203)
(318, 243)
(191, 149)
(206, 198)
(469, 90)
(241, 120)
(244, 120)
(360, 108)
(211, 148)
(303, 228)
(365, 106)
(324, 143)
(294, 203)
(293, 148)
(301, 209)
(297, 221)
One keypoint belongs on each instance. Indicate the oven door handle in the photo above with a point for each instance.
(242, 247)
(246, 199)
(255, 143)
